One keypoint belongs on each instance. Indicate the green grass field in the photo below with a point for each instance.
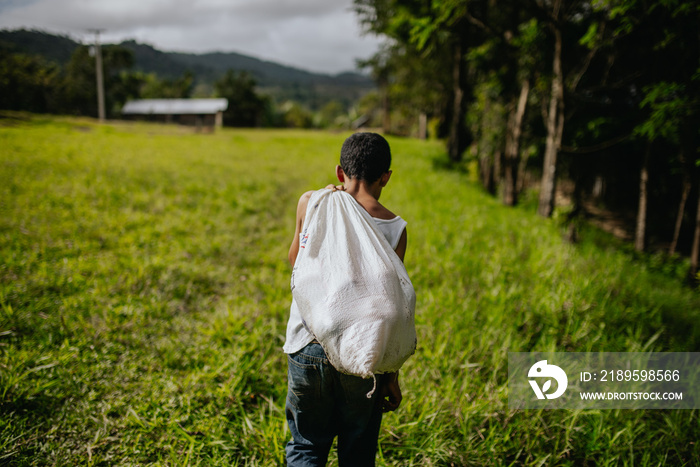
(144, 292)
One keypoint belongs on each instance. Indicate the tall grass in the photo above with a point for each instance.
(144, 292)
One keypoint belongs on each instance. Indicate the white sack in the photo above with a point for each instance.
(352, 290)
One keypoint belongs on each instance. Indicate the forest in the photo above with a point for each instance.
(595, 101)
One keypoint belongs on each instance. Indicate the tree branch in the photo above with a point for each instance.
(480, 24)
(587, 62)
(595, 147)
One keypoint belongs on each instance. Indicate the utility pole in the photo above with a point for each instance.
(100, 79)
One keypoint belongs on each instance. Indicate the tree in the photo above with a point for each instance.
(555, 118)
(79, 90)
(506, 64)
(245, 107)
(331, 115)
(409, 87)
(380, 65)
(294, 115)
(575, 35)
(512, 151)
(617, 81)
(438, 32)
(661, 37)
(450, 25)
(27, 83)
(156, 88)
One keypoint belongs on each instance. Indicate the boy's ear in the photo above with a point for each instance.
(384, 179)
(340, 174)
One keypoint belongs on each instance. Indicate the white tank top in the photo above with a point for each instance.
(391, 228)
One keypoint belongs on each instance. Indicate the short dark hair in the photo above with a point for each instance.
(365, 156)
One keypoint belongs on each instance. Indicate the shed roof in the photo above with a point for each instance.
(175, 106)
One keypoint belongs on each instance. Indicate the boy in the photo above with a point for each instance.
(322, 402)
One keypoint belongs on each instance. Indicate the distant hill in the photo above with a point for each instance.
(54, 48)
(280, 81)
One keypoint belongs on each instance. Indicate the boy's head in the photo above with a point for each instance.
(365, 156)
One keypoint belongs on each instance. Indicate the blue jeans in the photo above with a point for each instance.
(323, 403)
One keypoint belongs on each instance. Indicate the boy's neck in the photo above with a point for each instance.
(362, 188)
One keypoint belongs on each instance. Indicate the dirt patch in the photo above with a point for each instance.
(11, 119)
(621, 226)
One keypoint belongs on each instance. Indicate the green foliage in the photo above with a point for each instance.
(413, 69)
(331, 115)
(245, 107)
(80, 88)
(669, 107)
(371, 106)
(666, 65)
(487, 115)
(27, 82)
(153, 87)
(144, 293)
(590, 37)
(439, 23)
(295, 115)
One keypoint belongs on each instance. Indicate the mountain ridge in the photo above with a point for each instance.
(280, 81)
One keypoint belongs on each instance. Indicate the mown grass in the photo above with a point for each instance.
(144, 292)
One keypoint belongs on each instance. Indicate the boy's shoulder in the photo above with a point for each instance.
(370, 204)
(382, 213)
(375, 208)
(304, 199)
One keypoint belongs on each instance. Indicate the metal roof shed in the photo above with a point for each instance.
(198, 112)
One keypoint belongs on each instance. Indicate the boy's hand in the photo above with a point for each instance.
(335, 187)
(391, 393)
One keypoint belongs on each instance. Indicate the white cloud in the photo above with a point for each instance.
(318, 35)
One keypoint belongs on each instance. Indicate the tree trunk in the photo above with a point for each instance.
(643, 195)
(512, 153)
(695, 252)
(520, 185)
(681, 211)
(487, 162)
(456, 143)
(423, 125)
(497, 169)
(386, 108)
(555, 128)
(510, 180)
(486, 168)
(687, 148)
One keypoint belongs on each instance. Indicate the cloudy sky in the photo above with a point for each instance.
(316, 35)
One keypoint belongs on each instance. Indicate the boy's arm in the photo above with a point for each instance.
(401, 247)
(301, 214)
(391, 390)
